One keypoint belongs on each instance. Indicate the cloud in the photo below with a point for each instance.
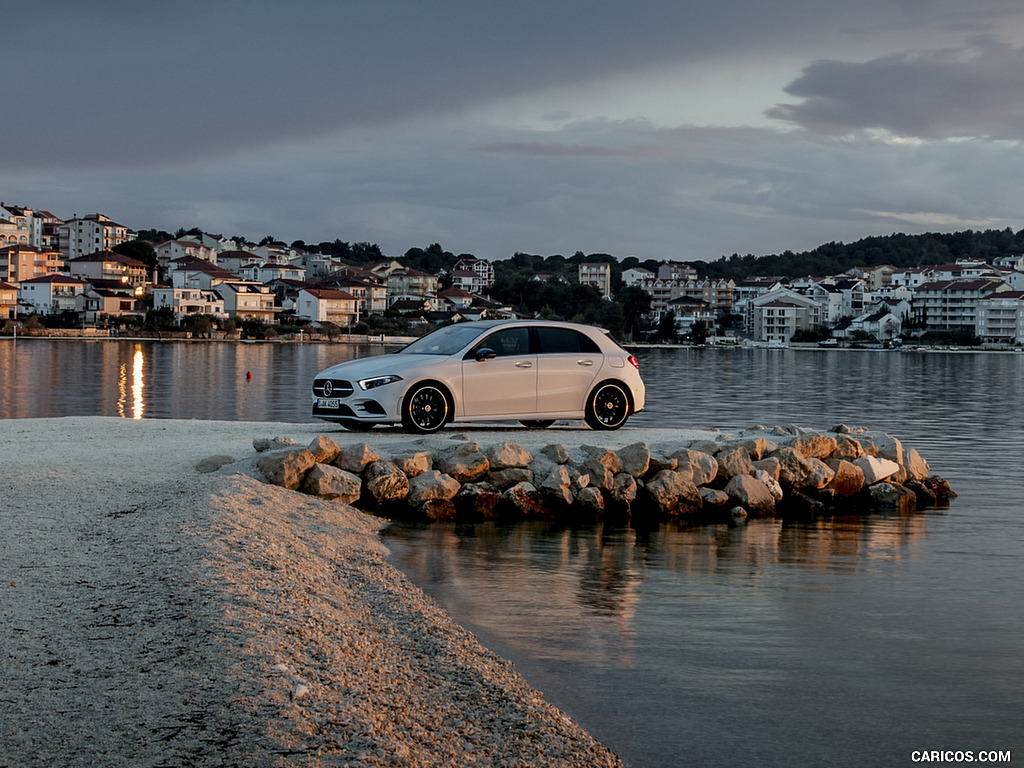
(972, 92)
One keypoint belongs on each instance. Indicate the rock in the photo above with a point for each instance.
(769, 465)
(737, 514)
(658, 463)
(813, 445)
(477, 500)
(795, 471)
(590, 499)
(264, 444)
(700, 467)
(875, 469)
(385, 482)
(925, 496)
(801, 504)
(635, 458)
(770, 482)
(892, 497)
(324, 450)
(671, 494)
(847, 448)
(212, 463)
(713, 498)
(756, 447)
(915, 467)
(330, 482)
(732, 462)
(355, 457)
(413, 463)
(624, 490)
(883, 446)
(848, 478)
(526, 500)
(438, 509)
(431, 485)
(506, 455)
(506, 478)
(939, 487)
(556, 453)
(602, 465)
(751, 494)
(557, 486)
(466, 463)
(286, 468)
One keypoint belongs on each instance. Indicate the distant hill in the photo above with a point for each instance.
(896, 249)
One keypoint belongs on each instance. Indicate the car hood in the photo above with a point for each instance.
(381, 365)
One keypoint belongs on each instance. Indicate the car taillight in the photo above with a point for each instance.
(634, 362)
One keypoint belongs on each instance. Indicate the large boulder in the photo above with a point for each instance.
(769, 481)
(590, 500)
(813, 445)
(751, 494)
(796, 471)
(892, 497)
(732, 462)
(324, 450)
(624, 490)
(602, 464)
(847, 448)
(506, 478)
(264, 444)
(635, 458)
(848, 478)
(286, 468)
(466, 463)
(915, 467)
(700, 467)
(506, 455)
(558, 486)
(413, 463)
(477, 500)
(524, 499)
(329, 482)
(431, 485)
(355, 457)
(875, 469)
(385, 482)
(883, 446)
(671, 494)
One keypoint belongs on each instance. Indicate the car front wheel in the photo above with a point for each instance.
(607, 407)
(425, 409)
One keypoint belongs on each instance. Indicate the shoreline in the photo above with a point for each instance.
(154, 614)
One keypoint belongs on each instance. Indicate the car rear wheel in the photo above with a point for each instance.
(607, 407)
(426, 409)
(538, 423)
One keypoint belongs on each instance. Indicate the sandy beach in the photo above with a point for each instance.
(156, 616)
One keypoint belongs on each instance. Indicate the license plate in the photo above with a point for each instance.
(328, 402)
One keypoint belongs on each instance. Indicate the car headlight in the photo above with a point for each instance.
(378, 381)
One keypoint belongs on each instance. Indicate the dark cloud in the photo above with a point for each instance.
(975, 92)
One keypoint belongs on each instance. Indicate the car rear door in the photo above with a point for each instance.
(505, 384)
(567, 364)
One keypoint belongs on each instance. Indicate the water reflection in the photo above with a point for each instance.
(534, 584)
(137, 400)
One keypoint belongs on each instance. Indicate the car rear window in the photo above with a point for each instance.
(553, 341)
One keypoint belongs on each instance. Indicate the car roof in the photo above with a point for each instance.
(488, 324)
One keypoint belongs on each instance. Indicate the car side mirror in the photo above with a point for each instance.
(485, 354)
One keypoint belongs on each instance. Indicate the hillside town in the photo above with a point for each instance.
(75, 273)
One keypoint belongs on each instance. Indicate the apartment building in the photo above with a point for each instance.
(24, 262)
(50, 294)
(112, 267)
(327, 305)
(1000, 318)
(951, 305)
(777, 315)
(90, 234)
(597, 274)
(717, 295)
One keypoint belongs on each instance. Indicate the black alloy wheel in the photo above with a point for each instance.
(608, 407)
(425, 410)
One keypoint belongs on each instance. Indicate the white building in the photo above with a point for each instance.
(597, 274)
(50, 294)
(189, 301)
(1000, 318)
(327, 305)
(90, 234)
(777, 315)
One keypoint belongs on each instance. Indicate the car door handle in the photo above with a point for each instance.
(524, 364)
(584, 362)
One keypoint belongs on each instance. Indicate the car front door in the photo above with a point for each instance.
(505, 384)
(567, 364)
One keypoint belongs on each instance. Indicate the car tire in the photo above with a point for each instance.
(354, 425)
(537, 423)
(607, 406)
(426, 409)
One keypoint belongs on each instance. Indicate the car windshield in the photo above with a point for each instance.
(443, 341)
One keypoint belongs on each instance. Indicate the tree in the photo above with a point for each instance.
(140, 250)
(667, 329)
(635, 302)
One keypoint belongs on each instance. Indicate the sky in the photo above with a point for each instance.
(662, 129)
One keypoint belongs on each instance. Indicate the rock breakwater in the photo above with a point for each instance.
(785, 471)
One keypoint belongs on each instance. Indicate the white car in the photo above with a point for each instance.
(531, 371)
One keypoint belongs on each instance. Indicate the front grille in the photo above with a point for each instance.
(332, 388)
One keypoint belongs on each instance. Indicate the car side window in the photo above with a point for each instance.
(554, 341)
(510, 342)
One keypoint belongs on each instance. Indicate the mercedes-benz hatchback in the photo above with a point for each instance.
(530, 371)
